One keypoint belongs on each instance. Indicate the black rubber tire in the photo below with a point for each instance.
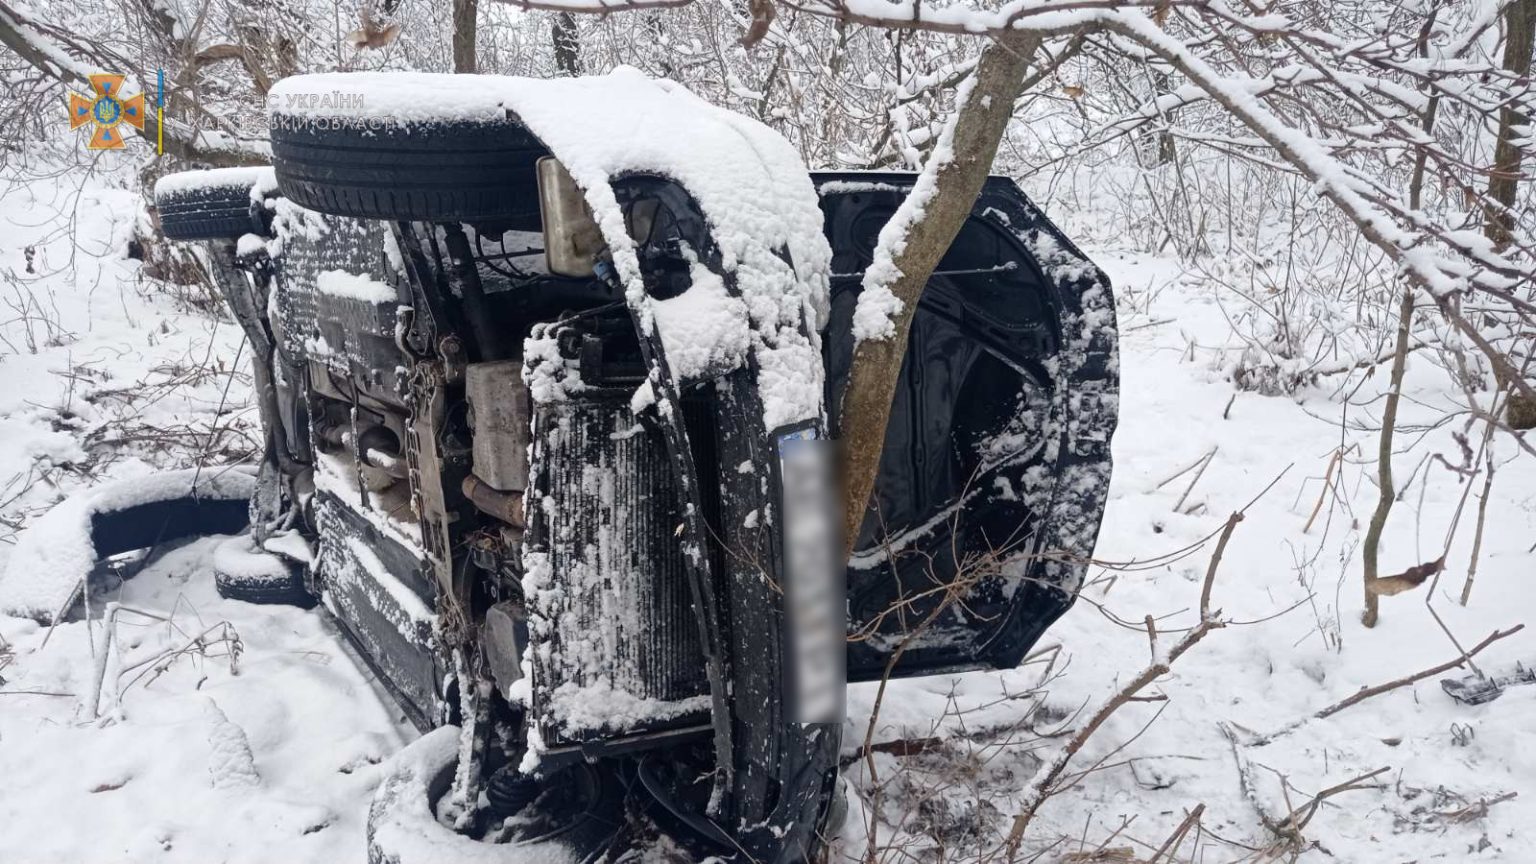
(402, 827)
(214, 206)
(289, 592)
(150, 525)
(420, 170)
(284, 585)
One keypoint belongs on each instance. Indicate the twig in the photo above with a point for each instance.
(1043, 786)
(1477, 535)
(1302, 815)
(898, 747)
(1475, 811)
(1171, 845)
(1178, 506)
(1182, 471)
(1372, 692)
(1338, 456)
(58, 616)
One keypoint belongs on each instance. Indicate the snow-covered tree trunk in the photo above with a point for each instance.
(910, 247)
(1504, 182)
(567, 44)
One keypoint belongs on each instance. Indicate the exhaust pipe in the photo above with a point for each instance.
(506, 506)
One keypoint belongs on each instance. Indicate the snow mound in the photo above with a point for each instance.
(754, 189)
(56, 551)
(230, 764)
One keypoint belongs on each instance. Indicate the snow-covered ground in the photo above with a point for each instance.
(274, 757)
(1306, 651)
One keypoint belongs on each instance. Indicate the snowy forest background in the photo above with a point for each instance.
(1318, 220)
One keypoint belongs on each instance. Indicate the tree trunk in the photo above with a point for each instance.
(1503, 182)
(977, 128)
(1386, 494)
(465, 13)
(1370, 554)
(567, 44)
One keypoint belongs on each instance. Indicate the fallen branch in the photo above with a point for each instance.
(1475, 811)
(1379, 689)
(1372, 692)
(898, 747)
(1299, 817)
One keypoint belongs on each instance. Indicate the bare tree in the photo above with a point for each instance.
(567, 43)
(465, 28)
(1504, 179)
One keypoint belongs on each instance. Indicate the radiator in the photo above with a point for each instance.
(614, 643)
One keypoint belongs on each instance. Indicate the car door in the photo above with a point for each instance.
(996, 459)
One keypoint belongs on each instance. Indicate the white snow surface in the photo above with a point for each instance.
(252, 178)
(276, 763)
(407, 826)
(352, 286)
(250, 244)
(140, 785)
(55, 552)
(703, 328)
(240, 559)
(751, 184)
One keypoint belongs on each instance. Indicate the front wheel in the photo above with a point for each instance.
(582, 818)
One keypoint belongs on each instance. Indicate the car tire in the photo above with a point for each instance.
(414, 170)
(212, 205)
(243, 572)
(403, 827)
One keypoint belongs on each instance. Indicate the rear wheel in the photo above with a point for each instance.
(222, 204)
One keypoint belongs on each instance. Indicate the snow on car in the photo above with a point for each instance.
(538, 490)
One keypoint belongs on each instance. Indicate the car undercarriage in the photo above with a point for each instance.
(553, 427)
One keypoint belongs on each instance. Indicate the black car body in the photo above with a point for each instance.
(532, 527)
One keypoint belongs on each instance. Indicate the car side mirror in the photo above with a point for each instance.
(572, 241)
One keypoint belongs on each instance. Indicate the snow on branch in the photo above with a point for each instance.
(1318, 95)
(71, 61)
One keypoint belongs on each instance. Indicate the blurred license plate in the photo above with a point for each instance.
(815, 596)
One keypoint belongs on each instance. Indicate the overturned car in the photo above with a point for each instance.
(537, 363)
